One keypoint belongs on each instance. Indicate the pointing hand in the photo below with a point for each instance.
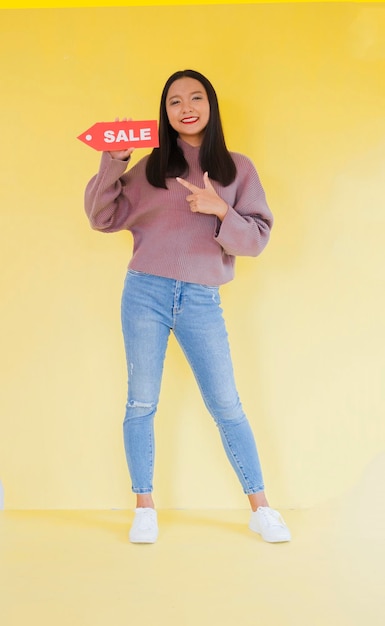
(206, 199)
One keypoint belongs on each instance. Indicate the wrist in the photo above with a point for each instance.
(223, 211)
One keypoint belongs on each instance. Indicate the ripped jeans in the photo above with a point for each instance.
(152, 306)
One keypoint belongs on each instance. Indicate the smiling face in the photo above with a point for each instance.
(188, 109)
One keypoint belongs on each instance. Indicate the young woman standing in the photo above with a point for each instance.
(192, 207)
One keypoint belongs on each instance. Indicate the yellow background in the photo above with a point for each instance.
(302, 93)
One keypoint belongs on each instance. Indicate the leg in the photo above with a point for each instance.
(145, 337)
(144, 501)
(257, 499)
(201, 332)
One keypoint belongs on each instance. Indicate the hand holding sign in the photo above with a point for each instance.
(122, 155)
(206, 199)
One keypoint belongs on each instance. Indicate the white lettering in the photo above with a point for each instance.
(131, 135)
(121, 136)
(109, 136)
(145, 134)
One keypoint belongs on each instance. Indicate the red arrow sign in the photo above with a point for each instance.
(109, 136)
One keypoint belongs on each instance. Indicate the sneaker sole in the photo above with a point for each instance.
(272, 540)
(134, 539)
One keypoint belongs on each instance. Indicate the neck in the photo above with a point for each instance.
(192, 140)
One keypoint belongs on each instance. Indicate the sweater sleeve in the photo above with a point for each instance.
(105, 203)
(245, 230)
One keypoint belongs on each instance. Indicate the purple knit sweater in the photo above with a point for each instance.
(169, 239)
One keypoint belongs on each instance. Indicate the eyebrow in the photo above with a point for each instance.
(191, 94)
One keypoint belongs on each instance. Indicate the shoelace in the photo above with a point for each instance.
(272, 517)
(147, 519)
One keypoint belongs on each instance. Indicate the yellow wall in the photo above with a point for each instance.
(302, 93)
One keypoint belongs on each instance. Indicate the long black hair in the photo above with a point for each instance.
(168, 160)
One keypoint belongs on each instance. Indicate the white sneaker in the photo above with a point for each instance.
(144, 528)
(270, 524)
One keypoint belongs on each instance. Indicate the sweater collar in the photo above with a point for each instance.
(188, 150)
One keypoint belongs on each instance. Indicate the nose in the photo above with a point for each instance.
(186, 108)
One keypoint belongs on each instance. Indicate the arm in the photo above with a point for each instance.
(245, 228)
(105, 202)
(243, 236)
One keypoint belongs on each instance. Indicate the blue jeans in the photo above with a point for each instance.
(152, 306)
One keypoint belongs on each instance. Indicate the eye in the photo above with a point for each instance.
(197, 97)
(172, 102)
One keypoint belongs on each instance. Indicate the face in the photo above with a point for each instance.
(188, 109)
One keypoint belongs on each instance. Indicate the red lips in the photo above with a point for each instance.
(190, 120)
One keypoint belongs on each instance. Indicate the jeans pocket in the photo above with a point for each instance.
(137, 273)
(210, 287)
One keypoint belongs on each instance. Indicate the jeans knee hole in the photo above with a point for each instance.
(136, 404)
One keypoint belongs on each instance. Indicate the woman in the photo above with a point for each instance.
(192, 207)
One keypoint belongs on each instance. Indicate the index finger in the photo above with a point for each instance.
(188, 186)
